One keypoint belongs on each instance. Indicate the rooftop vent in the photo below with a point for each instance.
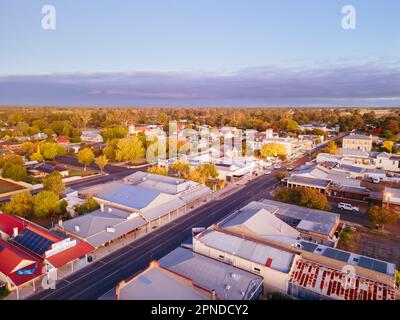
(110, 210)
(77, 228)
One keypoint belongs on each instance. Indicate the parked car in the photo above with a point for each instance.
(277, 166)
(348, 207)
(376, 180)
(290, 168)
(267, 172)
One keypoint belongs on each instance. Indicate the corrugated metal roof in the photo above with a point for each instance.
(249, 250)
(229, 283)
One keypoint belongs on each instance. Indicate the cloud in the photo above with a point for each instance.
(337, 84)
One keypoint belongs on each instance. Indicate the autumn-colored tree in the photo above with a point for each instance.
(101, 162)
(388, 145)
(273, 150)
(46, 203)
(162, 171)
(53, 182)
(85, 157)
(182, 167)
(20, 204)
(51, 150)
(381, 215)
(129, 149)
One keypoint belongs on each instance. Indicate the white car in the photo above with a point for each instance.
(348, 207)
(277, 166)
(267, 172)
(376, 180)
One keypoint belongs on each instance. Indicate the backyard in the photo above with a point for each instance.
(6, 186)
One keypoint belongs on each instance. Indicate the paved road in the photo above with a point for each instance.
(103, 275)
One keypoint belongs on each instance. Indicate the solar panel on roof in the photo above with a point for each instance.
(309, 246)
(372, 264)
(365, 262)
(336, 254)
(380, 266)
(32, 241)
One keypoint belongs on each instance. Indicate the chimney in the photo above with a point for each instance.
(15, 231)
(102, 207)
(60, 223)
(109, 210)
(77, 228)
(213, 295)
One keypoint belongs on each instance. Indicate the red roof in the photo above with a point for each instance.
(62, 140)
(71, 254)
(9, 222)
(13, 259)
(44, 233)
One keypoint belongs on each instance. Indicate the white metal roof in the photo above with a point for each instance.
(246, 249)
(229, 283)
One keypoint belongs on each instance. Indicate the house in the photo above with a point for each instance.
(10, 145)
(62, 140)
(91, 137)
(25, 248)
(43, 169)
(39, 136)
(357, 142)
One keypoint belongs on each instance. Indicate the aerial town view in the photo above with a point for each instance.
(199, 151)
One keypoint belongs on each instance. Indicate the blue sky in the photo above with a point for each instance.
(203, 52)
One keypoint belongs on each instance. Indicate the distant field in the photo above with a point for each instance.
(6, 186)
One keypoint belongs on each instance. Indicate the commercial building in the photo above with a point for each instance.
(159, 283)
(313, 225)
(290, 265)
(357, 142)
(226, 281)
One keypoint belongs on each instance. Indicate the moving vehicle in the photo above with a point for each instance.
(277, 166)
(267, 172)
(348, 207)
(290, 168)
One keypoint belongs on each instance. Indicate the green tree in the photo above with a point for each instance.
(45, 204)
(101, 162)
(129, 149)
(89, 205)
(117, 132)
(51, 150)
(37, 156)
(15, 172)
(53, 182)
(381, 215)
(85, 157)
(20, 204)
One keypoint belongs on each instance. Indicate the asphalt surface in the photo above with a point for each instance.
(102, 275)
